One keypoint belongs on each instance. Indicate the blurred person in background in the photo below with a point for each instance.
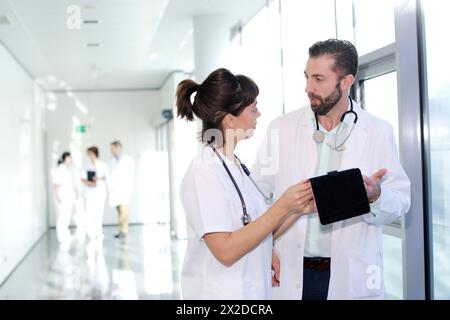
(120, 185)
(66, 193)
(93, 177)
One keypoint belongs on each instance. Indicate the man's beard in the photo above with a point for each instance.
(326, 104)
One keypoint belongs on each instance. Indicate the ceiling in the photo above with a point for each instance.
(118, 44)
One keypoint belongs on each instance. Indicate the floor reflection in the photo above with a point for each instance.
(146, 265)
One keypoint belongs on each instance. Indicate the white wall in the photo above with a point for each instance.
(110, 115)
(23, 214)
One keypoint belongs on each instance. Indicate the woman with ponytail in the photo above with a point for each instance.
(229, 226)
(65, 192)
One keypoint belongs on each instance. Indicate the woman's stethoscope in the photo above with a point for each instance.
(245, 216)
(319, 136)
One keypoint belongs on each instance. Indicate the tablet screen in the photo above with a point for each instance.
(340, 195)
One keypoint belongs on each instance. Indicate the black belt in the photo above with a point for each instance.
(317, 263)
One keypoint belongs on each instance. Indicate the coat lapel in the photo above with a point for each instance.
(307, 151)
(354, 147)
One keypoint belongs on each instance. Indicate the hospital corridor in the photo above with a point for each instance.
(147, 266)
(119, 182)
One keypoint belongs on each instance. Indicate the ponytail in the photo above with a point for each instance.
(63, 157)
(183, 99)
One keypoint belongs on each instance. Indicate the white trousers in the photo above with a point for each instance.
(65, 211)
(95, 206)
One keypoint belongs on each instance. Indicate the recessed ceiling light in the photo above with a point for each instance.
(4, 20)
(93, 44)
(153, 57)
(95, 70)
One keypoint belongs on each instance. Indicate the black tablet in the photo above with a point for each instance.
(340, 195)
(90, 175)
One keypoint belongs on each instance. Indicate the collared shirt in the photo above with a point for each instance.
(318, 237)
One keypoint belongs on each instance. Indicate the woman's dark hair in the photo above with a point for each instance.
(63, 157)
(220, 94)
(94, 150)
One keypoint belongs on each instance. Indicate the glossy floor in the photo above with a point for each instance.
(146, 265)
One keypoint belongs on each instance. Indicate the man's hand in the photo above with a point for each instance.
(372, 185)
(276, 270)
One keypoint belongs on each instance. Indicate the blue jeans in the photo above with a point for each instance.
(315, 284)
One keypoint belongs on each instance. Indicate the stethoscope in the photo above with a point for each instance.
(319, 136)
(246, 219)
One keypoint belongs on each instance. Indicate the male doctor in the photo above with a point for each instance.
(120, 185)
(343, 260)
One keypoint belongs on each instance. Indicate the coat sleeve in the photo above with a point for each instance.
(205, 202)
(395, 198)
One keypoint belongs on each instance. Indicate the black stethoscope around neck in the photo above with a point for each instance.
(319, 136)
(246, 219)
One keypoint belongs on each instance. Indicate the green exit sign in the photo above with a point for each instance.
(80, 129)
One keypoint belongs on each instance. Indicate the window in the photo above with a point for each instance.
(256, 53)
(374, 24)
(380, 99)
(436, 26)
(376, 87)
(301, 26)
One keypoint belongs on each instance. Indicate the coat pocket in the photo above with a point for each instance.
(366, 276)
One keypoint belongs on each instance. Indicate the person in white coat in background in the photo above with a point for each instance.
(343, 260)
(120, 183)
(229, 226)
(93, 177)
(66, 193)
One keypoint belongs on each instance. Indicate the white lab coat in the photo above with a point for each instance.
(95, 197)
(101, 171)
(356, 249)
(66, 180)
(120, 181)
(211, 204)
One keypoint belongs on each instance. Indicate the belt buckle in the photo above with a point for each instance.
(317, 263)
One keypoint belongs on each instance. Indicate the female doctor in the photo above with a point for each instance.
(94, 192)
(230, 230)
(66, 193)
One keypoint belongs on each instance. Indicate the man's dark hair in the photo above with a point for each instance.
(344, 53)
(116, 144)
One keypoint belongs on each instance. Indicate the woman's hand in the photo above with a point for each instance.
(297, 198)
(275, 269)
